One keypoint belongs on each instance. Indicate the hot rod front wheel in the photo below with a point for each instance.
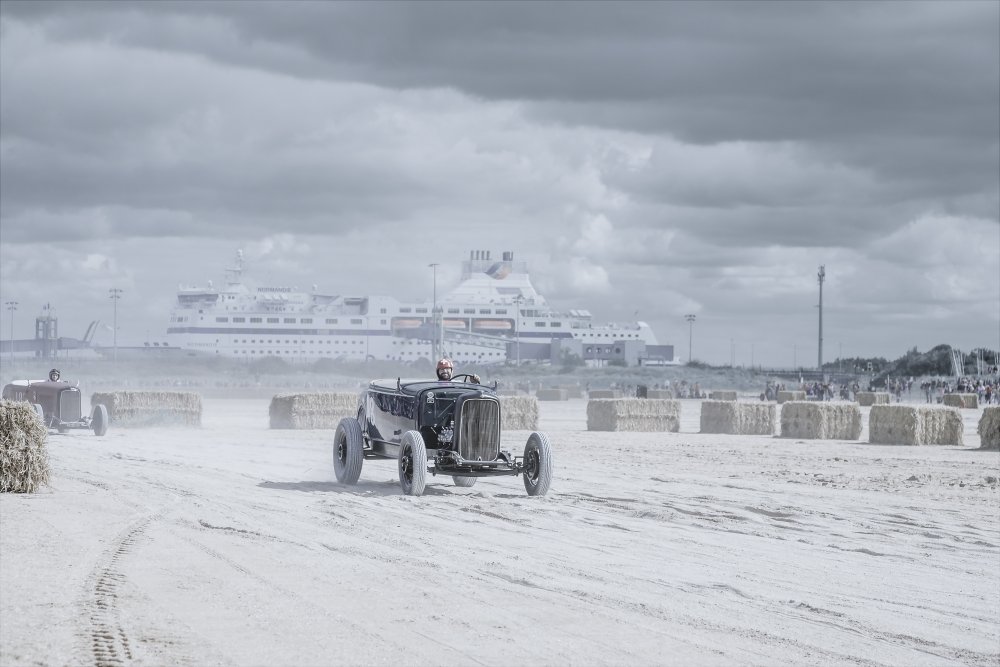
(99, 420)
(537, 469)
(412, 463)
(348, 451)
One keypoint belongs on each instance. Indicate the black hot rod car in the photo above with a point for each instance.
(59, 404)
(437, 427)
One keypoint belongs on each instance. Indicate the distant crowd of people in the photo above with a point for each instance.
(986, 389)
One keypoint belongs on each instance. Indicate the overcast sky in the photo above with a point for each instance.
(669, 159)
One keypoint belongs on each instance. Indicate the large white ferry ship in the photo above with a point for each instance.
(493, 316)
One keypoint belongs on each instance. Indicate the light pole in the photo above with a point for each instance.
(434, 317)
(821, 276)
(690, 320)
(115, 294)
(12, 306)
(517, 328)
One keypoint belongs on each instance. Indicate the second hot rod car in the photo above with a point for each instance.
(59, 405)
(437, 427)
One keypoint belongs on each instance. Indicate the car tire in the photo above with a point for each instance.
(537, 469)
(348, 451)
(412, 463)
(464, 481)
(99, 420)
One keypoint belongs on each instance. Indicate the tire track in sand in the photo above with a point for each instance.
(106, 638)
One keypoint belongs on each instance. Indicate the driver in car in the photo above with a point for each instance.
(54, 375)
(445, 371)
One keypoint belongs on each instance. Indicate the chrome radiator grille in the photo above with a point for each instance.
(70, 406)
(479, 430)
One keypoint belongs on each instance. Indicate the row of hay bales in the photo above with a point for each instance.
(326, 409)
(786, 396)
(961, 400)
(870, 398)
(313, 410)
(729, 416)
(821, 420)
(989, 428)
(150, 408)
(561, 393)
(633, 414)
(834, 420)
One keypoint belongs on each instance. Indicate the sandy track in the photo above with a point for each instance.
(232, 544)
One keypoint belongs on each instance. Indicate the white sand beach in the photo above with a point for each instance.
(233, 544)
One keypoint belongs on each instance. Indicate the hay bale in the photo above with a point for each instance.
(723, 396)
(150, 408)
(605, 393)
(989, 428)
(961, 400)
(551, 395)
(914, 425)
(24, 458)
(519, 413)
(633, 414)
(821, 420)
(869, 398)
(786, 396)
(314, 410)
(660, 393)
(738, 418)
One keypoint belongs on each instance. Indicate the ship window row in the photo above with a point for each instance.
(608, 335)
(270, 320)
(460, 358)
(254, 341)
(281, 352)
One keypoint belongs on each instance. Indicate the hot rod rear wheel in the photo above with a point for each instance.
(463, 481)
(412, 463)
(348, 451)
(537, 464)
(99, 420)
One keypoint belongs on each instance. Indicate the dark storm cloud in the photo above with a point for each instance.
(908, 92)
(697, 157)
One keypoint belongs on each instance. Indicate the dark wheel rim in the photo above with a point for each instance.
(342, 450)
(406, 466)
(532, 466)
